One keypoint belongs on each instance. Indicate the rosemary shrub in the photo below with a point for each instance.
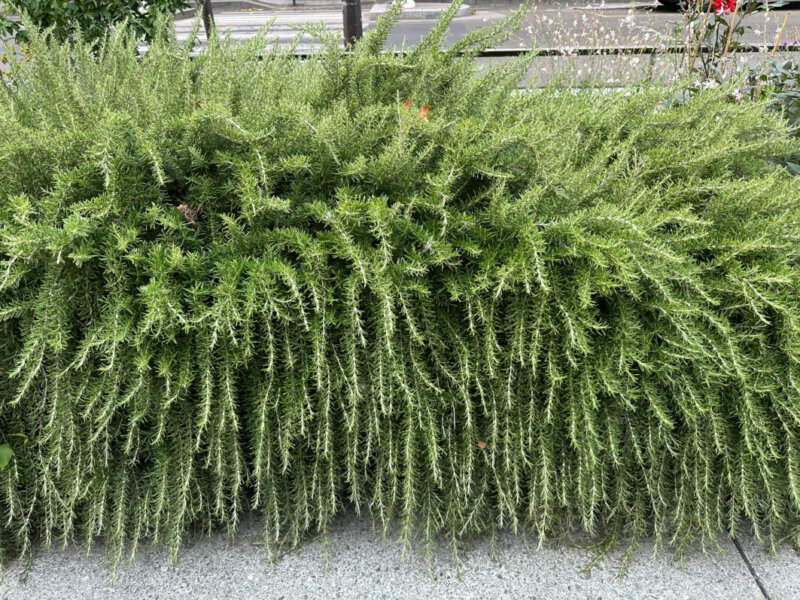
(293, 285)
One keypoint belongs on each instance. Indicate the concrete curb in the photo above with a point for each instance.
(422, 10)
(266, 5)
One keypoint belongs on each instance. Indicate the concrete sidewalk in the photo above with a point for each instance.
(363, 565)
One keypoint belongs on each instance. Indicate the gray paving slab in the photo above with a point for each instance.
(779, 574)
(361, 564)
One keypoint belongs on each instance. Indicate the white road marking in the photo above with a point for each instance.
(616, 6)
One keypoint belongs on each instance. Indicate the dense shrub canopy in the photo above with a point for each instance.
(228, 282)
(92, 18)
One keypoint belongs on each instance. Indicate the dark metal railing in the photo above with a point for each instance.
(621, 50)
(597, 51)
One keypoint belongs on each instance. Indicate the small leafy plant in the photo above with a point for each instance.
(778, 80)
(714, 32)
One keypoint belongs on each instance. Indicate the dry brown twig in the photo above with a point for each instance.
(700, 38)
(780, 35)
(731, 29)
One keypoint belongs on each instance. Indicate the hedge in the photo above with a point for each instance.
(248, 281)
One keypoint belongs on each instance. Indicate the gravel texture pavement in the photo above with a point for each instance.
(362, 564)
(779, 574)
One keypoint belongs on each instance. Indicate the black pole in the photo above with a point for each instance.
(351, 18)
(208, 17)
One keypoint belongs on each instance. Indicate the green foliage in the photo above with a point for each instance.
(231, 283)
(91, 17)
(5, 455)
(714, 30)
(779, 81)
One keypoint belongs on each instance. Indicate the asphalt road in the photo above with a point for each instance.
(616, 22)
(560, 24)
(549, 24)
